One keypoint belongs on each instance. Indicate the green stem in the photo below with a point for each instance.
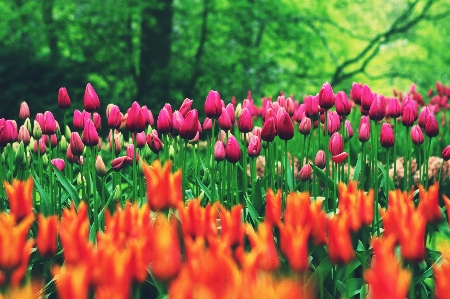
(244, 168)
(327, 155)
(427, 179)
(286, 165)
(394, 179)
(387, 174)
(405, 161)
(94, 189)
(335, 174)
(135, 186)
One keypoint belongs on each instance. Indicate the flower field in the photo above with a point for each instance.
(330, 196)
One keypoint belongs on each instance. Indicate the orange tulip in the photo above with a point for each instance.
(72, 282)
(273, 207)
(294, 245)
(339, 240)
(193, 218)
(47, 235)
(263, 245)
(357, 204)
(429, 203)
(442, 279)
(163, 187)
(20, 196)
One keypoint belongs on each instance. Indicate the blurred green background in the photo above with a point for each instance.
(164, 51)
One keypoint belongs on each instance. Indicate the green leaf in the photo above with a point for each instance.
(319, 275)
(252, 211)
(203, 187)
(70, 189)
(44, 201)
(357, 169)
(385, 177)
(323, 177)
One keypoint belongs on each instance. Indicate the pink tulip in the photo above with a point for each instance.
(338, 159)
(232, 150)
(90, 135)
(377, 110)
(154, 143)
(245, 123)
(417, 135)
(355, 92)
(120, 162)
(135, 120)
(254, 146)
(189, 128)
(305, 173)
(336, 144)
(49, 127)
(213, 105)
(320, 159)
(186, 106)
(343, 106)
(224, 120)
(63, 98)
(366, 97)
(219, 151)
(91, 101)
(24, 110)
(164, 122)
(446, 153)
(326, 96)
(76, 144)
(59, 163)
(268, 131)
(285, 127)
(114, 117)
(431, 126)
(386, 136)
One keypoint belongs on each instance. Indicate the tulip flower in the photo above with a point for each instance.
(355, 92)
(366, 97)
(40, 119)
(59, 163)
(231, 112)
(273, 207)
(78, 121)
(348, 130)
(213, 105)
(6, 132)
(42, 146)
(312, 107)
(305, 126)
(232, 150)
(320, 159)
(20, 197)
(24, 110)
(423, 116)
(114, 117)
(408, 115)
(49, 123)
(285, 127)
(24, 135)
(245, 123)
(254, 146)
(186, 106)
(339, 240)
(364, 129)
(120, 162)
(326, 96)
(446, 153)
(141, 139)
(224, 120)
(377, 108)
(219, 151)
(130, 152)
(386, 136)
(91, 101)
(148, 116)
(305, 173)
(338, 159)
(154, 143)
(343, 107)
(164, 122)
(269, 131)
(431, 126)
(63, 98)
(71, 158)
(90, 135)
(177, 122)
(334, 122)
(189, 128)
(393, 108)
(207, 124)
(441, 275)
(416, 135)
(46, 241)
(100, 167)
(336, 144)
(135, 120)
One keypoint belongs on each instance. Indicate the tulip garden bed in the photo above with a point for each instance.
(275, 198)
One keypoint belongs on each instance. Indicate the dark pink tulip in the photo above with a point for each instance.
(91, 101)
(42, 146)
(53, 141)
(423, 116)
(338, 159)
(408, 118)
(326, 96)
(348, 130)
(305, 173)
(40, 119)
(290, 106)
(320, 159)
(245, 123)
(97, 121)
(164, 122)
(24, 110)
(148, 116)
(232, 150)
(393, 108)
(378, 108)
(186, 106)
(366, 97)
(334, 122)
(342, 104)
(336, 144)
(78, 120)
(356, 92)
(285, 127)
(271, 113)
(305, 126)
(49, 127)
(256, 131)
(63, 98)
(446, 153)
(141, 139)
(114, 117)
(71, 158)
(59, 163)
(120, 162)
(135, 120)
(416, 135)
(224, 120)
(100, 167)
(254, 146)
(90, 135)
(312, 107)
(130, 152)
(364, 129)
(269, 131)
(299, 113)
(386, 136)
(76, 144)
(169, 109)
(154, 143)
(431, 126)
(189, 128)
(6, 132)
(213, 105)
(219, 151)
(24, 135)
(207, 124)
(231, 113)
(177, 122)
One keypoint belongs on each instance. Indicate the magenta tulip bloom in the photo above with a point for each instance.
(348, 130)
(42, 146)
(336, 144)
(177, 122)
(114, 117)
(135, 120)
(431, 126)
(423, 116)
(207, 124)
(224, 120)
(24, 110)
(416, 135)
(393, 108)
(254, 146)
(91, 101)
(378, 108)
(59, 163)
(120, 162)
(320, 159)
(231, 113)
(343, 106)
(232, 150)
(189, 128)
(268, 131)
(213, 105)
(338, 159)
(366, 97)
(49, 127)
(90, 135)
(76, 144)
(148, 116)
(154, 143)
(164, 121)
(305, 126)
(186, 106)
(355, 92)
(364, 129)
(245, 123)
(63, 98)
(141, 139)
(446, 153)
(219, 151)
(305, 173)
(326, 96)
(285, 127)
(24, 135)
(130, 152)
(386, 136)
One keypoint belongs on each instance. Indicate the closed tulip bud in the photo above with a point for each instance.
(336, 144)
(423, 116)
(164, 122)
(334, 122)
(224, 120)
(231, 113)
(100, 168)
(268, 131)
(446, 153)
(78, 120)
(148, 116)
(130, 152)
(141, 139)
(91, 101)
(59, 163)
(366, 97)
(245, 123)
(177, 122)
(355, 92)
(213, 105)
(24, 135)
(290, 106)
(312, 107)
(386, 136)
(190, 125)
(305, 173)
(320, 159)
(44, 158)
(232, 150)
(431, 126)
(120, 162)
(256, 131)
(299, 113)
(49, 127)
(364, 129)
(343, 106)
(393, 108)
(27, 124)
(305, 126)
(114, 117)
(154, 143)
(76, 144)
(63, 98)
(37, 131)
(378, 108)
(63, 144)
(207, 124)
(416, 135)
(254, 146)
(71, 158)
(40, 119)
(135, 121)
(348, 130)
(53, 141)
(238, 111)
(40, 145)
(185, 106)
(24, 110)
(20, 154)
(326, 96)
(219, 151)
(285, 127)
(90, 135)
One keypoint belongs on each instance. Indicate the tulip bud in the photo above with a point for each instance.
(285, 127)
(63, 144)
(245, 123)
(305, 126)
(189, 127)
(224, 120)
(231, 113)
(44, 158)
(148, 116)
(207, 124)
(90, 135)
(24, 110)
(312, 107)
(91, 101)
(78, 121)
(416, 135)
(238, 111)
(355, 92)
(393, 108)
(213, 105)
(431, 126)
(120, 162)
(336, 144)
(378, 108)
(114, 117)
(185, 107)
(268, 131)
(130, 152)
(71, 158)
(27, 124)
(24, 135)
(305, 173)
(326, 96)
(409, 114)
(366, 97)
(364, 129)
(164, 122)
(348, 130)
(49, 127)
(338, 159)
(63, 98)
(20, 154)
(59, 163)
(423, 116)
(40, 145)
(254, 146)
(154, 143)
(177, 122)
(76, 144)
(219, 151)
(343, 107)
(232, 150)
(100, 168)
(386, 136)
(135, 120)
(446, 153)
(320, 159)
